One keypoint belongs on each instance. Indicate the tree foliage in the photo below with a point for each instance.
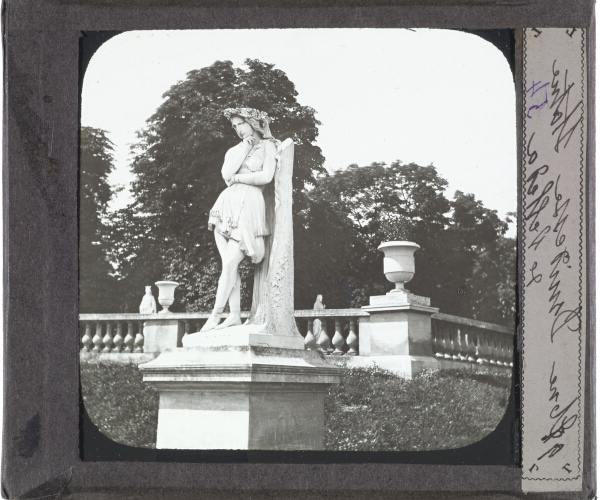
(465, 264)
(96, 283)
(459, 238)
(177, 164)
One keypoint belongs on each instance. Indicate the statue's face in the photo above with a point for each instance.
(241, 127)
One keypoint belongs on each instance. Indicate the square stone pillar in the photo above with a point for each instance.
(398, 335)
(237, 389)
(161, 334)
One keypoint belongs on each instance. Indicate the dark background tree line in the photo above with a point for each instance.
(466, 264)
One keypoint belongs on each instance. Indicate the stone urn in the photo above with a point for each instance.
(166, 294)
(399, 262)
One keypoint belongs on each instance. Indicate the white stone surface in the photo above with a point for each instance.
(398, 298)
(212, 430)
(399, 329)
(148, 304)
(250, 335)
(161, 334)
(270, 398)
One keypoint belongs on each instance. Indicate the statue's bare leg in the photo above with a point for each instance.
(233, 318)
(215, 317)
(231, 260)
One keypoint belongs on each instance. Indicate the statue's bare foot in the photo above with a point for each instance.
(232, 319)
(211, 323)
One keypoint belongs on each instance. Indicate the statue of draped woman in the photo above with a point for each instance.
(252, 218)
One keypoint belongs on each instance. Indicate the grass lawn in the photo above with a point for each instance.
(370, 410)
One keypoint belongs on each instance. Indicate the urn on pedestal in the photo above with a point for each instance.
(399, 262)
(166, 294)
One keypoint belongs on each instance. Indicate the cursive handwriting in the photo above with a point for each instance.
(562, 116)
(541, 201)
(534, 89)
(562, 421)
(569, 318)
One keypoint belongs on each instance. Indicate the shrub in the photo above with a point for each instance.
(124, 408)
(370, 410)
(374, 410)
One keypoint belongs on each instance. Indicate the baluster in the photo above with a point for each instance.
(187, 328)
(310, 342)
(461, 344)
(505, 351)
(495, 357)
(352, 339)
(338, 339)
(447, 341)
(434, 339)
(86, 340)
(97, 340)
(454, 343)
(129, 338)
(108, 338)
(499, 350)
(441, 332)
(139, 338)
(323, 342)
(437, 343)
(487, 348)
(118, 340)
(511, 353)
(470, 341)
(479, 348)
(489, 345)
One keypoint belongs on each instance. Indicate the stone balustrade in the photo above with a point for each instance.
(338, 334)
(457, 339)
(124, 333)
(115, 333)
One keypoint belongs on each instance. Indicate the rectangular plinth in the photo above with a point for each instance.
(399, 332)
(203, 420)
(240, 397)
(162, 334)
(242, 416)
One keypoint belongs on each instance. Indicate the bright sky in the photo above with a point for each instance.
(426, 96)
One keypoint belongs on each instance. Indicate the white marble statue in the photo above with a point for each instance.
(148, 304)
(249, 220)
(317, 326)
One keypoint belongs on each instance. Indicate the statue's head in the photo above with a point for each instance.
(148, 290)
(248, 120)
(319, 298)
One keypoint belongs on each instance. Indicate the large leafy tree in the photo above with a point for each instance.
(177, 163)
(464, 265)
(96, 283)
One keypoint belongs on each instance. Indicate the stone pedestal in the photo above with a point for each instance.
(236, 389)
(161, 334)
(398, 335)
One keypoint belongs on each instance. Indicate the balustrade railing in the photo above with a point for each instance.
(111, 333)
(461, 339)
(332, 331)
